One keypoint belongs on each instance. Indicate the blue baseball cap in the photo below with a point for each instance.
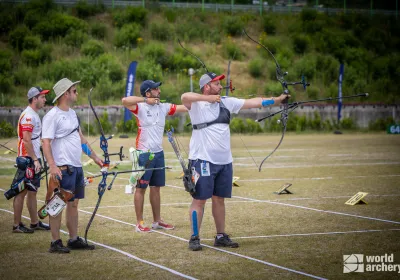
(148, 85)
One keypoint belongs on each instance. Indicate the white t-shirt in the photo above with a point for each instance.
(212, 143)
(151, 122)
(29, 121)
(65, 146)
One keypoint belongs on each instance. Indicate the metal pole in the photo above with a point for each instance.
(232, 3)
(143, 3)
(173, 3)
(371, 7)
(202, 5)
(191, 72)
(113, 4)
(261, 7)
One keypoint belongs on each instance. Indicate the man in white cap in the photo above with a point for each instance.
(29, 129)
(63, 143)
(150, 115)
(210, 151)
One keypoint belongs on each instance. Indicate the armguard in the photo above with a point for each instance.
(267, 102)
(86, 149)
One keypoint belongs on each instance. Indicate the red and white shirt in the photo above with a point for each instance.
(151, 122)
(29, 121)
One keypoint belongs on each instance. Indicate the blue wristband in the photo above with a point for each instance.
(86, 149)
(267, 102)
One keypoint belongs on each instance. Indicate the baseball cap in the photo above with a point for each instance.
(148, 85)
(209, 77)
(36, 91)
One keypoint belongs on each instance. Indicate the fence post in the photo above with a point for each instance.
(261, 7)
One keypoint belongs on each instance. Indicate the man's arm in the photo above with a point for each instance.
(181, 109)
(258, 101)
(131, 102)
(27, 138)
(189, 97)
(53, 169)
(88, 150)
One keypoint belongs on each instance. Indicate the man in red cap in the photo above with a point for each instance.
(29, 131)
(210, 156)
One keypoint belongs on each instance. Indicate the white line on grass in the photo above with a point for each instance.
(125, 253)
(318, 210)
(245, 201)
(308, 208)
(316, 178)
(214, 248)
(311, 233)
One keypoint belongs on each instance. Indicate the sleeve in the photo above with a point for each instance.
(48, 127)
(233, 104)
(136, 111)
(27, 123)
(171, 110)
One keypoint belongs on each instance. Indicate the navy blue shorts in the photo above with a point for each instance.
(73, 182)
(154, 178)
(35, 181)
(218, 183)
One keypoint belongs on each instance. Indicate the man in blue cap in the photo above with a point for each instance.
(150, 116)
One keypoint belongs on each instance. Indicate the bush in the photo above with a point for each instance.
(380, 124)
(31, 42)
(58, 25)
(161, 31)
(149, 70)
(179, 61)
(7, 21)
(17, 37)
(32, 17)
(98, 30)
(93, 48)
(232, 26)
(84, 10)
(269, 26)
(88, 128)
(172, 122)
(109, 65)
(104, 123)
(127, 36)
(256, 68)
(6, 85)
(75, 38)
(156, 51)
(300, 43)
(347, 123)
(7, 130)
(5, 61)
(129, 126)
(232, 51)
(171, 15)
(308, 15)
(130, 15)
(31, 57)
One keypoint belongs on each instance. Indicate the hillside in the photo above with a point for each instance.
(42, 43)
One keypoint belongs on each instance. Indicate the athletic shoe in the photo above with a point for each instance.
(79, 244)
(142, 228)
(161, 225)
(21, 228)
(194, 243)
(58, 247)
(225, 241)
(40, 226)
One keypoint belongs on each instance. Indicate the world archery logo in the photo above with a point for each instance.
(353, 263)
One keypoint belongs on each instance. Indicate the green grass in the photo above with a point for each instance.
(325, 170)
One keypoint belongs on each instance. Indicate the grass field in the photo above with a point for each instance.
(292, 236)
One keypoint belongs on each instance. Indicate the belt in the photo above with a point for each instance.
(63, 167)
